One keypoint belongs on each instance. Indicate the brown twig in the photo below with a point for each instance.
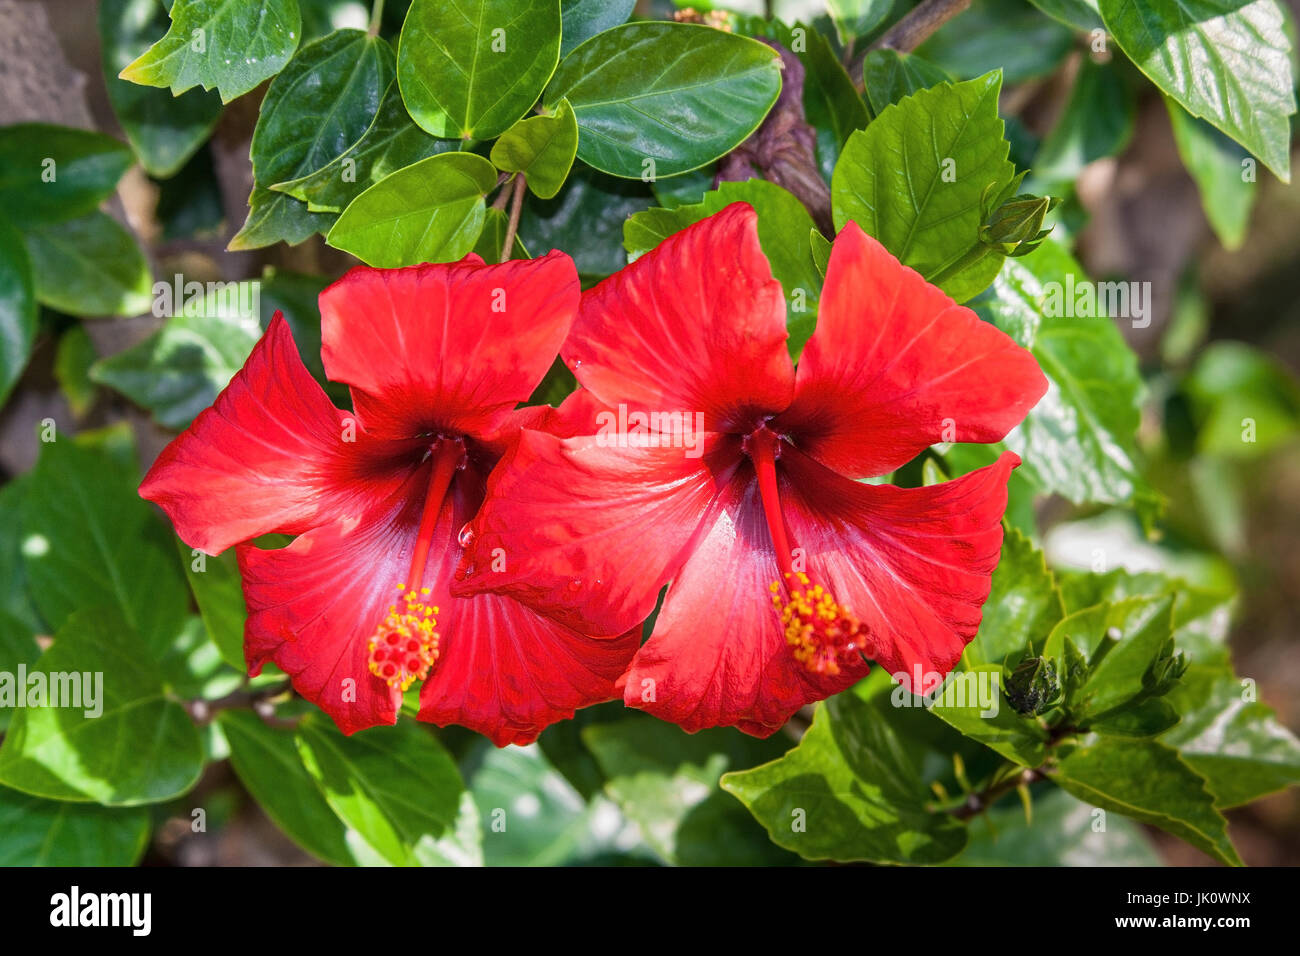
(911, 31)
(977, 803)
(516, 206)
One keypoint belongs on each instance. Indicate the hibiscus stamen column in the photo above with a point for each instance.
(404, 647)
(822, 635)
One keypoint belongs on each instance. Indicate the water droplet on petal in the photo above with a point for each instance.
(466, 536)
(575, 584)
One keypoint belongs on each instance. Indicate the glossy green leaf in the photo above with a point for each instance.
(53, 173)
(214, 581)
(469, 70)
(586, 220)
(164, 130)
(398, 788)
(784, 227)
(1009, 35)
(657, 99)
(216, 43)
(430, 212)
(666, 782)
(542, 147)
(90, 267)
(17, 308)
(1023, 606)
(1231, 738)
(583, 19)
(974, 701)
(831, 103)
(857, 18)
(179, 370)
(1079, 440)
(888, 76)
(849, 791)
(1141, 629)
(1147, 781)
(269, 766)
(1097, 122)
(141, 746)
(314, 111)
(1063, 832)
(392, 142)
(1080, 14)
(89, 539)
(36, 832)
(1226, 61)
(1223, 171)
(916, 176)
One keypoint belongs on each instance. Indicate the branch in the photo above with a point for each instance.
(977, 803)
(911, 31)
(512, 227)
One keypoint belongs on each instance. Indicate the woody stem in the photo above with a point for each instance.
(447, 455)
(763, 453)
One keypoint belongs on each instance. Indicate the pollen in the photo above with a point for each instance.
(823, 636)
(404, 647)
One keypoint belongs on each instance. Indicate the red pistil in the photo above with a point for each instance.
(404, 646)
(822, 635)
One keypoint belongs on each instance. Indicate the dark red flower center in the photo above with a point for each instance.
(404, 646)
(822, 635)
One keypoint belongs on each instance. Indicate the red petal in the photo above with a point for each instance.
(912, 564)
(268, 456)
(509, 672)
(446, 348)
(718, 655)
(589, 534)
(695, 325)
(894, 360)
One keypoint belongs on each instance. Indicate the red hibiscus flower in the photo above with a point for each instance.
(357, 607)
(787, 573)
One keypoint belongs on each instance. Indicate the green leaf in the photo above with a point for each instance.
(1143, 628)
(90, 267)
(586, 220)
(999, 34)
(398, 788)
(430, 212)
(583, 19)
(164, 130)
(469, 70)
(141, 747)
(1226, 61)
(974, 702)
(36, 832)
(269, 766)
(1146, 780)
(1063, 832)
(849, 791)
(193, 668)
(392, 142)
(17, 308)
(857, 18)
(915, 178)
(830, 100)
(888, 76)
(1097, 122)
(784, 227)
(72, 362)
(179, 370)
(17, 647)
(314, 111)
(1224, 174)
(532, 816)
(1080, 14)
(215, 583)
(657, 99)
(216, 43)
(1023, 606)
(1230, 738)
(1151, 717)
(1246, 402)
(543, 147)
(666, 782)
(89, 540)
(15, 601)
(52, 173)
(1079, 440)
